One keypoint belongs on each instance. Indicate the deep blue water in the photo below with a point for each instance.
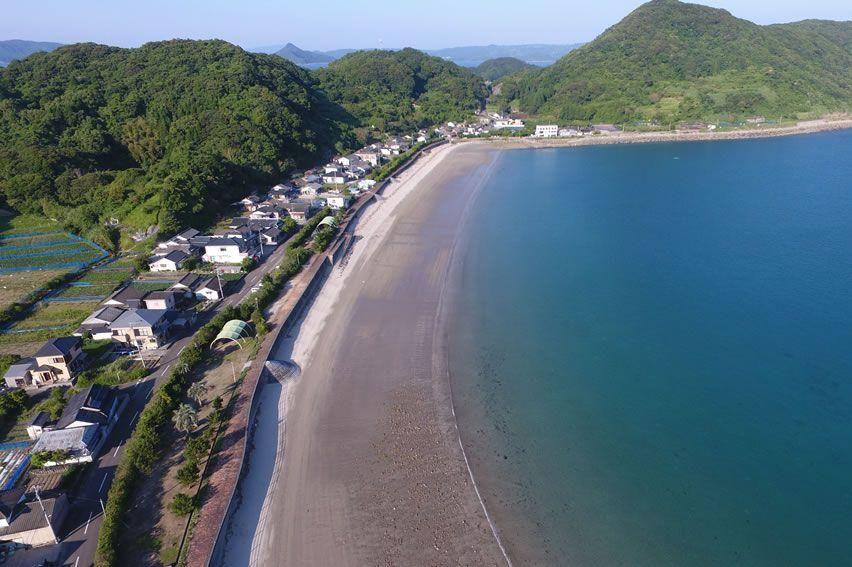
(651, 352)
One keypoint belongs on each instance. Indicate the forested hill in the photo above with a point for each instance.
(399, 90)
(494, 69)
(672, 61)
(163, 134)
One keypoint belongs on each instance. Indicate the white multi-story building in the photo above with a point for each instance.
(546, 131)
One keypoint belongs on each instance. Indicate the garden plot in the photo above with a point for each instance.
(29, 251)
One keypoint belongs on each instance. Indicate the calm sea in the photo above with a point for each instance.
(651, 352)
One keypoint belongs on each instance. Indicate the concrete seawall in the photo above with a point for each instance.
(221, 494)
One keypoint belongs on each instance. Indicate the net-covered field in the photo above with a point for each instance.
(43, 250)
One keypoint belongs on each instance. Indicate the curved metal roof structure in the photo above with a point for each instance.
(233, 330)
(327, 221)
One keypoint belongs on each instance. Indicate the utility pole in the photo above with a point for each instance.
(46, 517)
(234, 370)
(218, 279)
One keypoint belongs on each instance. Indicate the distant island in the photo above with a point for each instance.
(14, 49)
(469, 56)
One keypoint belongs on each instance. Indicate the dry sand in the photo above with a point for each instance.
(366, 467)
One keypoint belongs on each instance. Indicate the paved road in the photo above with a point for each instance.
(80, 529)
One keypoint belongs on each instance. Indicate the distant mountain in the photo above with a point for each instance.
(673, 61)
(396, 91)
(534, 54)
(303, 58)
(540, 55)
(14, 49)
(495, 69)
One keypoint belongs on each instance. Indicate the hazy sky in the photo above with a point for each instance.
(328, 24)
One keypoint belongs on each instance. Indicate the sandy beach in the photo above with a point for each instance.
(358, 461)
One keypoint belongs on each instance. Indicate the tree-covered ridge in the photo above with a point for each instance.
(673, 61)
(400, 90)
(494, 69)
(160, 134)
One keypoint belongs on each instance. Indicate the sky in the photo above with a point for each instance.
(330, 24)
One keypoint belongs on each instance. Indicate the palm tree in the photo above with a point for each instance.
(196, 392)
(185, 418)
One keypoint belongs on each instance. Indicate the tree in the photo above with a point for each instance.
(260, 327)
(141, 264)
(196, 392)
(185, 418)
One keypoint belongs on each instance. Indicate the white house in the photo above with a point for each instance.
(337, 202)
(546, 131)
(310, 190)
(511, 123)
(209, 289)
(334, 179)
(227, 251)
(171, 262)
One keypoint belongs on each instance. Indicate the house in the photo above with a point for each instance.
(184, 286)
(569, 132)
(32, 520)
(249, 203)
(365, 184)
(268, 212)
(171, 262)
(507, 123)
(209, 289)
(300, 211)
(19, 375)
(370, 155)
(309, 190)
(228, 250)
(145, 329)
(337, 202)
(546, 131)
(180, 239)
(38, 425)
(271, 236)
(58, 360)
(334, 179)
(93, 405)
(77, 444)
(165, 300)
(98, 323)
(129, 297)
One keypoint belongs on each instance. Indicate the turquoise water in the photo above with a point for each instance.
(651, 352)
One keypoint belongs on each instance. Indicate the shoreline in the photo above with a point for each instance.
(805, 127)
(331, 505)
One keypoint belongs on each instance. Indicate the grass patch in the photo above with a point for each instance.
(56, 315)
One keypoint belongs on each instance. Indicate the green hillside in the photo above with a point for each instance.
(163, 134)
(672, 61)
(498, 68)
(400, 90)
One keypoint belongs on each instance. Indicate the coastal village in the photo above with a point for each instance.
(184, 279)
(189, 274)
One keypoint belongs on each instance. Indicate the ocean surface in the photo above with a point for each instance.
(651, 352)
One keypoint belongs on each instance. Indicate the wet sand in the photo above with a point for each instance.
(368, 468)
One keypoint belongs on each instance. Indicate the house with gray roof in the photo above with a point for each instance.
(145, 329)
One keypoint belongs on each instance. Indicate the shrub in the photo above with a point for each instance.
(187, 474)
(182, 504)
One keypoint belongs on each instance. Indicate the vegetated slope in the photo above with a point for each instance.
(494, 69)
(399, 90)
(14, 49)
(164, 134)
(670, 61)
(302, 57)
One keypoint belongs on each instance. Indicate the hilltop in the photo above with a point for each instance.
(303, 58)
(670, 61)
(401, 90)
(163, 134)
(14, 49)
(494, 69)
